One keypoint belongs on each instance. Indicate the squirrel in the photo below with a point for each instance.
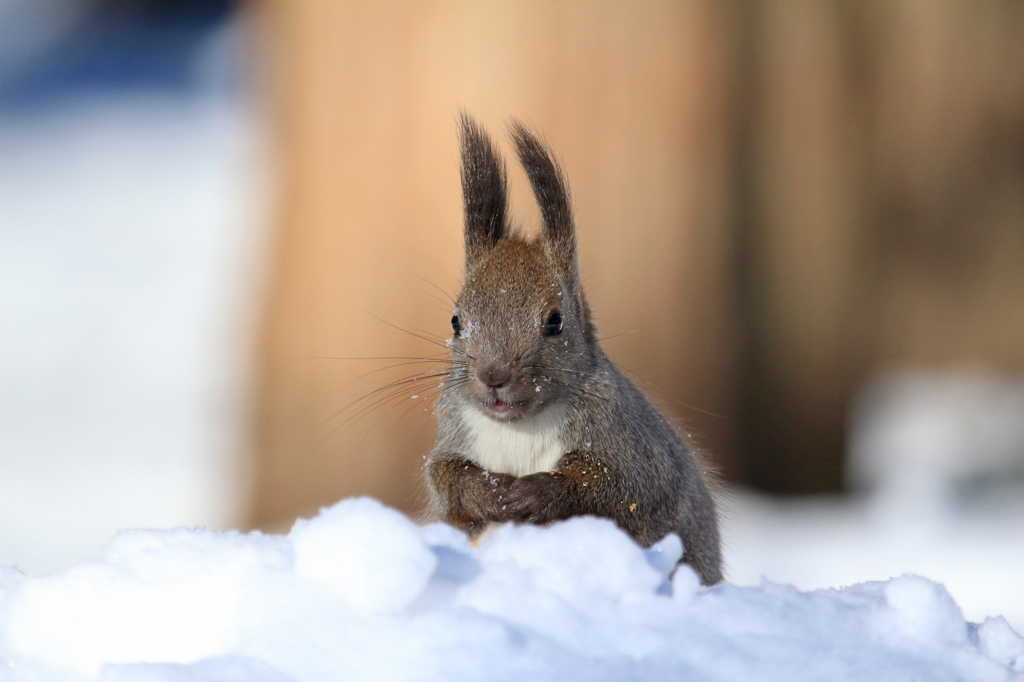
(535, 423)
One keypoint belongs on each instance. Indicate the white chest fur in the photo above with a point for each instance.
(518, 448)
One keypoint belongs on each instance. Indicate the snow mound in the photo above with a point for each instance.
(360, 592)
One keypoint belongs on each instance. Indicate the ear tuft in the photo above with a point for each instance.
(552, 194)
(484, 190)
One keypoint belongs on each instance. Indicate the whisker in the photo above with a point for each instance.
(420, 277)
(427, 399)
(389, 390)
(399, 364)
(430, 363)
(615, 336)
(394, 397)
(438, 299)
(638, 377)
(660, 392)
(430, 396)
(381, 357)
(421, 336)
(557, 369)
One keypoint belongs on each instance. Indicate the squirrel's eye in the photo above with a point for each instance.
(455, 325)
(553, 325)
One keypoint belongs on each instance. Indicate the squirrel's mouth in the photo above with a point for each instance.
(500, 406)
(504, 410)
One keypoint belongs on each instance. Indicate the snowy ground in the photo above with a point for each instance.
(834, 541)
(361, 593)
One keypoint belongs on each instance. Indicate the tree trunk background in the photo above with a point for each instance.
(774, 198)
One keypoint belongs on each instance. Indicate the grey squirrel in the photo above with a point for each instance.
(535, 423)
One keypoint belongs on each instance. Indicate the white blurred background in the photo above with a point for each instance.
(134, 215)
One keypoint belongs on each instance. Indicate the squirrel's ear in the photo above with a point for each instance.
(484, 190)
(552, 194)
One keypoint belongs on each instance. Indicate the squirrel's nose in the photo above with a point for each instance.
(492, 376)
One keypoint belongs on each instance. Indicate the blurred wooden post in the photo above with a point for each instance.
(797, 242)
(364, 97)
(881, 212)
(777, 196)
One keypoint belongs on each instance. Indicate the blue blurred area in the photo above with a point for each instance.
(60, 49)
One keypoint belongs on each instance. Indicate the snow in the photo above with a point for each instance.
(830, 540)
(339, 551)
(936, 463)
(361, 592)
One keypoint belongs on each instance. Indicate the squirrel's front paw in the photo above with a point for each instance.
(481, 495)
(536, 498)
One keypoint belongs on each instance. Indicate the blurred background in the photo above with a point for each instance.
(227, 227)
